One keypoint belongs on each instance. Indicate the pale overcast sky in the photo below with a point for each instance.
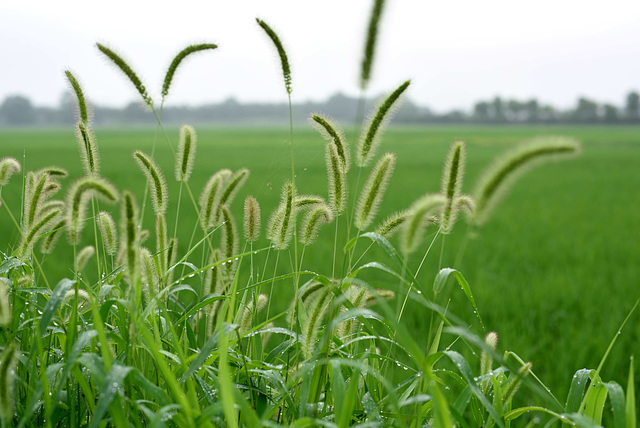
(456, 52)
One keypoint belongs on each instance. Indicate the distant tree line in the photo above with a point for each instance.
(17, 111)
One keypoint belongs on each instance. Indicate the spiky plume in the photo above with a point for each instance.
(128, 71)
(186, 156)
(171, 71)
(108, 232)
(155, 177)
(373, 191)
(77, 198)
(370, 43)
(88, 148)
(251, 219)
(452, 177)
(413, 227)
(315, 218)
(209, 200)
(77, 90)
(8, 167)
(284, 61)
(331, 132)
(337, 179)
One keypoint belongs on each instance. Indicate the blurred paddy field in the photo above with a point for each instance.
(554, 272)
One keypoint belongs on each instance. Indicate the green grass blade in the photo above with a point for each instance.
(595, 399)
(576, 391)
(54, 302)
(616, 397)
(631, 399)
(112, 384)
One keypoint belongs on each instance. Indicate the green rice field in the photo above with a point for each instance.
(554, 271)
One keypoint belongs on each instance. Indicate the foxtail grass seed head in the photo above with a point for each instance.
(84, 300)
(331, 132)
(34, 197)
(88, 148)
(155, 177)
(8, 365)
(308, 201)
(8, 167)
(306, 292)
(5, 304)
(370, 140)
(229, 240)
(162, 242)
(373, 191)
(172, 256)
(496, 180)
(283, 220)
(77, 90)
(233, 185)
(40, 226)
(186, 156)
(107, 227)
(128, 71)
(466, 203)
(318, 305)
(315, 218)
(374, 297)
(250, 312)
(130, 237)
(337, 180)
(50, 240)
(452, 177)
(83, 257)
(209, 200)
(486, 361)
(251, 219)
(357, 296)
(55, 172)
(514, 382)
(179, 58)
(78, 197)
(284, 61)
(370, 43)
(413, 228)
(149, 273)
(212, 277)
(392, 224)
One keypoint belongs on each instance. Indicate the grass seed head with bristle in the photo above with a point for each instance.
(486, 361)
(149, 273)
(332, 132)
(284, 61)
(8, 167)
(5, 304)
(8, 364)
(130, 237)
(128, 71)
(250, 312)
(282, 221)
(55, 172)
(315, 218)
(171, 71)
(357, 296)
(155, 177)
(337, 179)
(304, 294)
(514, 382)
(77, 90)
(233, 185)
(392, 224)
(83, 257)
(452, 177)
(162, 242)
(374, 297)
(209, 200)
(414, 226)
(108, 232)
(370, 43)
(40, 226)
(34, 196)
(373, 191)
(212, 277)
(496, 180)
(318, 304)
(251, 219)
(186, 156)
(308, 201)
(88, 148)
(229, 240)
(370, 140)
(77, 198)
(466, 203)
(49, 241)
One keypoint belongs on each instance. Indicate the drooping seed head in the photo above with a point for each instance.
(55, 172)
(77, 90)
(373, 191)
(155, 177)
(233, 185)
(130, 237)
(414, 226)
(8, 167)
(88, 148)
(162, 243)
(337, 179)
(83, 257)
(179, 58)
(318, 304)
(128, 71)
(308, 201)
(514, 382)
(186, 155)
(332, 133)
(282, 221)
(210, 197)
(35, 195)
(78, 197)
(251, 219)
(452, 177)
(212, 278)
(466, 203)
(50, 240)
(229, 240)
(392, 224)
(370, 140)
(284, 61)
(315, 218)
(496, 179)
(107, 227)
(370, 44)
(41, 225)
(172, 256)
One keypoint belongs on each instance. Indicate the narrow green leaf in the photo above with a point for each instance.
(616, 397)
(595, 399)
(54, 302)
(576, 391)
(112, 385)
(631, 399)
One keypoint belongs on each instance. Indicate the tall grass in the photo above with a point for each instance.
(142, 333)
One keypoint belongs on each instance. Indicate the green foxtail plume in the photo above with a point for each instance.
(83, 257)
(77, 90)
(155, 177)
(486, 361)
(337, 179)
(315, 218)
(250, 312)
(514, 382)
(55, 172)
(452, 177)
(35, 195)
(8, 364)
(8, 167)
(392, 224)
(130, 238)
(49, 241)
(308, 201)
(209, 200)
(496, 179)
(332, 132)
(282, 221)
(370, 140)
(77, 198)
(318, 304)
(186, 156)
(229, 241)
(149, 274)
(128, 71)
(171, 71)
(370, 44)
(413, 227)
(88, 148)
(108, 232)
(373, 191)
(162, 243)
(284, 61)
(40, 226)
(251, 219)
